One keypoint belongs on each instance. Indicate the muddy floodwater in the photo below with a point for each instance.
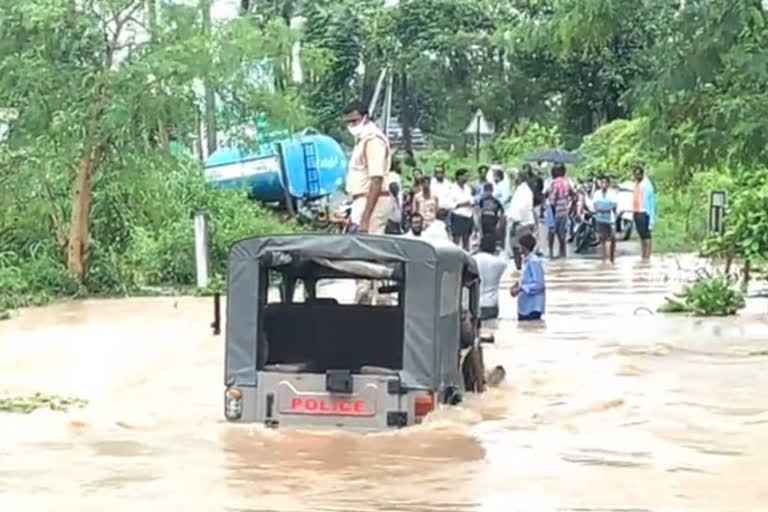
(606, 407)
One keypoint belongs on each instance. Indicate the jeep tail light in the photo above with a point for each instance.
(233, 404)
(423, 405)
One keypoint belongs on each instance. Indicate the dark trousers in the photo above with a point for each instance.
(535, 315)
(489, 313)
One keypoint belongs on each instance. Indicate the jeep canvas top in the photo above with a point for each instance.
(320, 356)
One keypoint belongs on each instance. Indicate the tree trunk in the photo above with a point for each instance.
(210, 94)
(747, 275)
(368, 86)
(199, 134)
(152, 16)
(79, 229)
(162, 130)
(405, 114)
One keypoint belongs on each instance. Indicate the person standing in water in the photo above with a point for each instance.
(536, 185)
(561, 197)
(530, 290)
(604, 203)
(368, 174)
(521, 218)
(644, 208)
(491, 268)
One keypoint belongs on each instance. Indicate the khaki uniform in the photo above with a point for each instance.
(371, 157)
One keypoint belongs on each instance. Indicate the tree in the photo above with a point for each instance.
(708, 101)
(91, 89)
(586, 54)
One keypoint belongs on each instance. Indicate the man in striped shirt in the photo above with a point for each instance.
(560, 196)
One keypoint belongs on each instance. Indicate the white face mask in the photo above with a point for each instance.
(357, 129)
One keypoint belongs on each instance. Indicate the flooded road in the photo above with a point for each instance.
(606, 407)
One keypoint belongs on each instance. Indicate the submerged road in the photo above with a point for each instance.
(606, 407)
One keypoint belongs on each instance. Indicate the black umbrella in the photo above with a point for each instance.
(556, 156)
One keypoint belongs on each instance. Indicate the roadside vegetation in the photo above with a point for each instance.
(31, 403)
(101, 128)
(710, 296)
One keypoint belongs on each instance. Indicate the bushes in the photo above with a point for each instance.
(617, 146)
(32, 281)
(142, 232)
(525, 139)
(159, 247)
(710, 296)
(509, 151)
(746, 222)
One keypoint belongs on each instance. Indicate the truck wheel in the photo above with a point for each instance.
(452, 396)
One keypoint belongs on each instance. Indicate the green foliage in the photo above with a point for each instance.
(746, 223)
(707, 98)
(679, 88)
(216, 284)
(428, 160)
(159, 241)
(334, 28)
(142, 233)
(92, 95)
(681, 224)
(524, 139)
(711, 296)
(617, 146)
(28, 404)
(586, 54)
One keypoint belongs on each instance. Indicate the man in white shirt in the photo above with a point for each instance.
(434, 232)
(491, 268)
(521, 218)
(463, 202)
(441, 189)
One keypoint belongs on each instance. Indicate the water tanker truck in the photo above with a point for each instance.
(300, 170)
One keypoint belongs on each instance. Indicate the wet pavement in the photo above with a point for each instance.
(606, 407)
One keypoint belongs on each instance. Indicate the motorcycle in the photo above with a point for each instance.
(585, 236)
(624, 213)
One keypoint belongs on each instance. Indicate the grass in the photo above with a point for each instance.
(28, 404)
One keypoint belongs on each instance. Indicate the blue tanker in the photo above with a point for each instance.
(306, 167)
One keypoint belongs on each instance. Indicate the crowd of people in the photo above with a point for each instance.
(500, 213)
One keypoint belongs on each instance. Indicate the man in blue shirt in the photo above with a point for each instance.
(644, 207)
(530, 291)
(605, 215)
